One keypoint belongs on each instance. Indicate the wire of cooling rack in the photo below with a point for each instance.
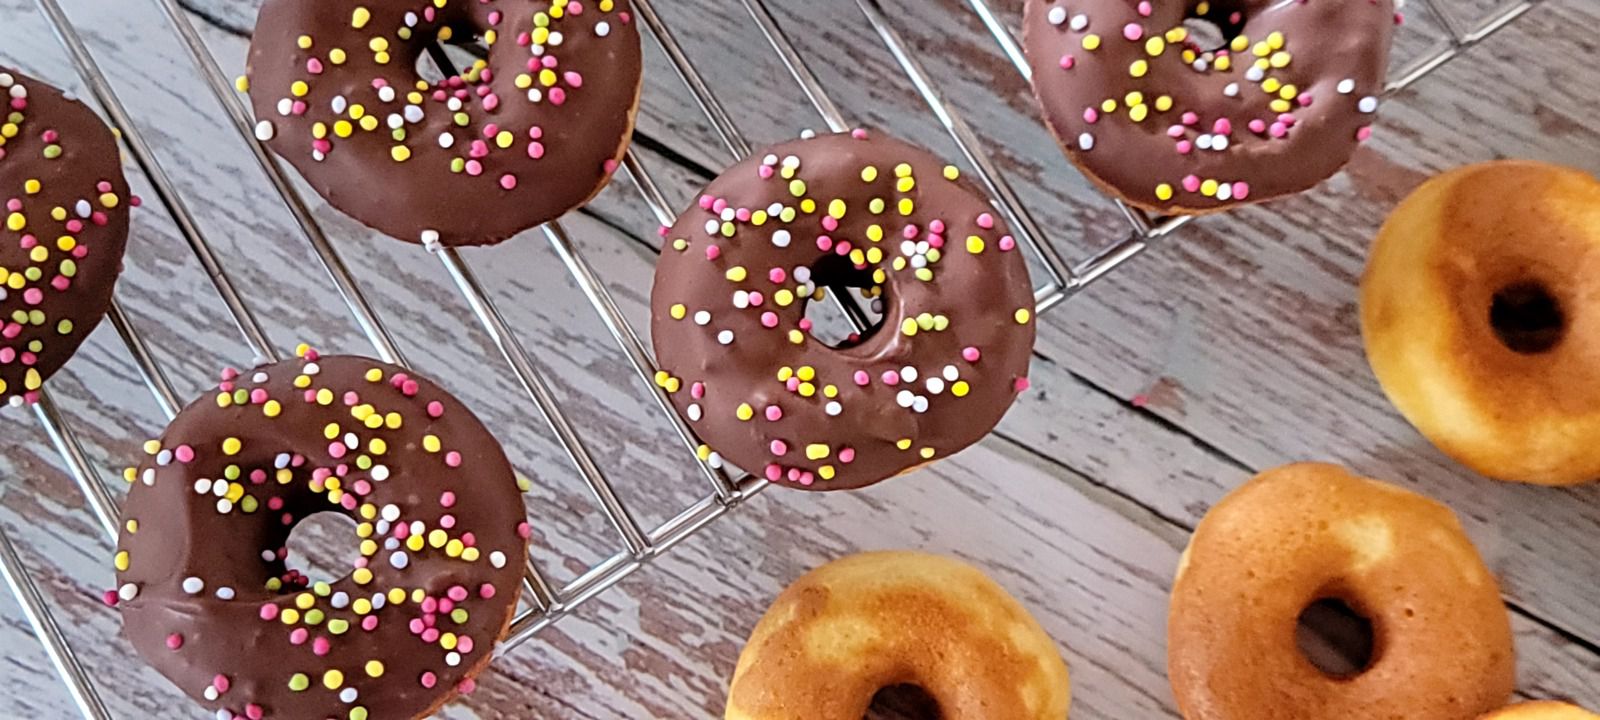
(546, 603)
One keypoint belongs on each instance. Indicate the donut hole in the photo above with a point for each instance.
(1335, 638)
(1527, 318)
(1216, 27)
(320, 549)
(829, 324)
(441, 61)
(903, 702)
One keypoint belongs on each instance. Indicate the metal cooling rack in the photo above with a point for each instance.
(544, 604)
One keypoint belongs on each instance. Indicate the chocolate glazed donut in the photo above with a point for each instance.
(203, 589)
(1173, 126)
(512, 142)
(62, 231)
(737, 352)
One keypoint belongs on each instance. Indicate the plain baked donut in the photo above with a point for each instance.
(850, 628)
(1544, 710)
(860, 210)
(63, 229)
(1480, 308)
(1442, 646)
(202, 586)
(1172, 126)
(512, 142)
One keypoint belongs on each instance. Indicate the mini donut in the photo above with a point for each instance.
(512, 142)
(203, 589)
(63, 230)
(857, 625)
(1480, 308)
(1154, 117)
(854, 210)
(1442, 646)
(1545, 710)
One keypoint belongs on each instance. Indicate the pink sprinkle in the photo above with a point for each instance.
(1364, 134)
(1258, 126)
(774, 413)
(110, 598)
(777, 275)
(773, 472)
(457, 593)
(448, 499)
(453, 459)
(299, 636)
(508, 181)
(447, 522)
(1278, 130)
(221, 683)
(891, 377)
(713, 252)
(610, 165)
(1191, 183)
(428, 680)
(937, 226)
(558, 96)
(970, 354)
(1184, 147)
(1021, 384)
(765, 171)
(847, 455)
(859, 134)
(824, 243)
(1176, 131)
(862, 378)
(697, 390)
(1007, 243)
(269, 612)
(524, 530)
(369, 623)
(314, 66)
(1067, 62)
(986, 221)
(573, 79)
(174, 641)
(1091, 115)
(464, 644)
(435, 409)
(778, 447)
(1222, 126)
(1145, 9)
(829, 223)
(1241, 190)
(254, 712)
(1132, 32)
(467, 686)
(1189, 118)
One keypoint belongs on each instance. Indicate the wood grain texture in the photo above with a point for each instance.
(1239, 334)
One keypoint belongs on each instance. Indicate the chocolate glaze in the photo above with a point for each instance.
(63, 229)
(1337, 53)
(578, 128)
(975, 306)
(229, 643)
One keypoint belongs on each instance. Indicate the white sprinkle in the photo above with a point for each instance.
(413, 114)
(1200, 65)
(921, 405)
(1346, 86)
(340, 599)
(1219, 143)
(282, 461)
(285, 107)
(802, 274)
(202, 486)
(399, 560)
(908, 374)
(1057, 15)
(339, 104)
(1225, 191)
(394, 121)
(1203, 142)
(935, 385)
(452, 658)
(351, 441)
(497, 559)
(833, 408)
(391, 544)
(446, 140)
(219, 487)
(1231, 90)
(714, 460)
(386, 93)
(555, 39)
(904, 398)
(725, 337)
(193, 585)
(348, 695)
(791, 162)
(1086, 141)
(268, 555)
(728, 214)
(702, 318)
(128, 591)
(379, 600)
(224, 593)
(391, 512)
(211, 693)
(411, 19)
(951, 374)
(781, 238)
(1254, 74)
(149, 477)
(741, 299)
(265, 130)
(1367, 104)
(807, 134)
(1079, 22)
(694, 412)
(224, 506)
(602, 28)
(311, 369)
(430, 238)
(712, 226)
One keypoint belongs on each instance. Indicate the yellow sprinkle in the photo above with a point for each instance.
(400, 153)
(374, 668)
(927, 453)
(951, 172)
(333, 679)
(1091, 42)
(121, 560)
(908, 327)
(903, 443)
(232, 446)
(1022, 316)
(736, 273)
(1138, 113)
(960, 388)
(1164, 191)
(1155, 46)
(362, 576)
(241, 83)
(817, 451)
(304, 42)
(299, 88)
(272, 408)
(1139, 68)
(745, 412)
(678, 311)
(360, 18)
(869, 173)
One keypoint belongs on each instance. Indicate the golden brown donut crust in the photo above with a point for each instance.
(1425, 298)
(869, 621)
(1543, 710)
(1442, 645)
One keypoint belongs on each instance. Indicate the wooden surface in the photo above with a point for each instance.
(1231, 348)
